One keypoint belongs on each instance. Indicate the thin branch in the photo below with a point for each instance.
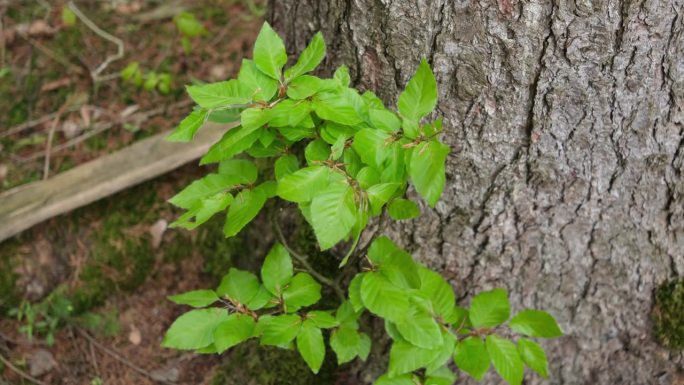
(118, 356)
(48, 144)
(20, 372)
(103, 34)
(303, 259)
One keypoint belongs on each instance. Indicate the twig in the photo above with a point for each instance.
(20, 372)
(48, 144)
(303, 260)
(119, 357)
(32, 123)
(103, 34)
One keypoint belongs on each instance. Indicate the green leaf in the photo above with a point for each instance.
(304, 184)
(243, 169)
(194, 329)
(253, 118)
(395, 264)
(206, 187)
(68, 17)
(382, 298)
(269, 52)
(405, 379)
(345, 342)
(322, 319)
(290, 113)
(256, 83)
(279, 330)
(337, 149)
(342, 75)
(394, 169)
(426, 169)
(405, 358)
(237, 328)
(442, 376)
(379, 194)
(302, 291)
(446, 351)
(203, 210)
(535, 323)
(310, 345)
(420, 329)
(371, 145)
(438, 291)
(347, 316)
(334, 107)
(221, 94)
(533, 355)
(243, 209)
(316, 151)
(490, 308)
(333, 214)
(401, 209)
(384, 120)
(239, 286)
(285, 165)
(368, 176)
(233, 142)
(262, 299)
(188, 127)
(303, 87)
(471, 356)
(420, 96)
(506, 359)
(276, 272)
(195, 298)
(309, 59)
(352, 162)
(355, 292)
(188, 25)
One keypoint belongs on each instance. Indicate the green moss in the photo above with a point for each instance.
(668, 314)
(8, 295)
(250, 363)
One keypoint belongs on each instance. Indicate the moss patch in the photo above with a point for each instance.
(668, 314)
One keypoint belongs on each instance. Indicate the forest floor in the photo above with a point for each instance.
(83, 295)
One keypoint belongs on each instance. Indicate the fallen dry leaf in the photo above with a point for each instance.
(134, 336)
(157, 231)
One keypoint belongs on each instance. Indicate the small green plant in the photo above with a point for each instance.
(148, 80)
(188, 25)
(358, 161)
(668, 314)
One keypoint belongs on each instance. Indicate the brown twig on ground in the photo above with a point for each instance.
(20, 372)
(48, 144)
(32, 123)
(105, 35)
(303, 259)
(117, 356)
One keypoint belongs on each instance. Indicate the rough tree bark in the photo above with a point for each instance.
(564, 184)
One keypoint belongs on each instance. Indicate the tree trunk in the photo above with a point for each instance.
(564, 183)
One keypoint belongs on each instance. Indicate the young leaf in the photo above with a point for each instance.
(489, 308)
(333, 214)
(355, 292)
(188, 127)
(208, 186)
(384, 120)
(420, 96)
(316, 151)
(380, 297)
(289, 114)
(269, 52)
(368, 176)
(262, 299)
(310, 345)
(238, 285)
(303, 87)
(221, 94)
(471, 356)
(194, 329)
(279, 330)
(195, 298)
(401, 209)
(253, 118)
(345, 342)
(203, 210)
(438, 291)
(237, 328)
(334, 107)
(442, 376)
(243, 209)
(371, 145)
(404, 379)
(420, 329)
(285, 165)
(309, 58)
(426, 169)
(379, 194)
(233, 142)
(506, 359)
(243, 169)
(405, 358)
(302, 291)
(256, 83)
(276, 272)
(342, 75)
(322, 319)
(533, 355)
(535, 323)
(304, 184)
(338, 147)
